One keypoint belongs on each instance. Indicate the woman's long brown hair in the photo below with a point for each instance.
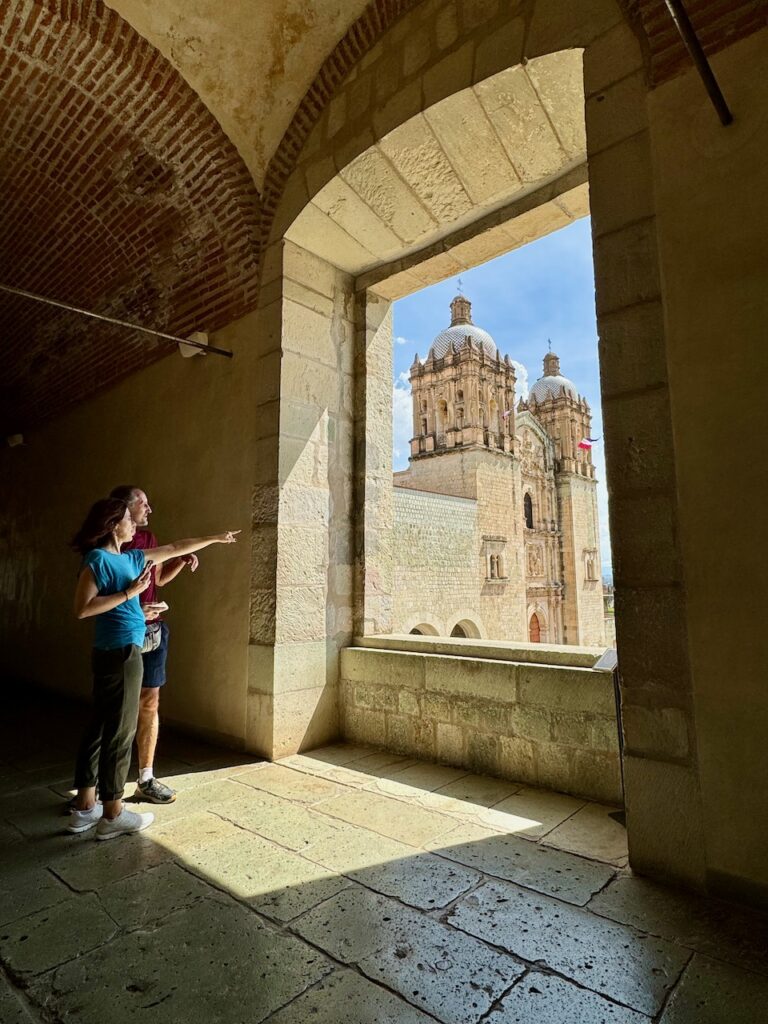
(97, 528)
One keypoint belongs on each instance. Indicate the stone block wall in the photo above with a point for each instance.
(436, 560)
(545, 725)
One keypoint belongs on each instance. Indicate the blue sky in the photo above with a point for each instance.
(543, 291)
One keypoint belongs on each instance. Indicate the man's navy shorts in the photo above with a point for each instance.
(154, 661)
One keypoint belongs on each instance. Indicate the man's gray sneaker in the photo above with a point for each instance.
(124, 824)
(155, 792)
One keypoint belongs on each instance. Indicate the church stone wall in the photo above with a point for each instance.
(436, 559)
(448, 584)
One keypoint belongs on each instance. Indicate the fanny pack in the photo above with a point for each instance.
(152, 638)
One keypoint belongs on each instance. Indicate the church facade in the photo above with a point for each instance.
(495, 519)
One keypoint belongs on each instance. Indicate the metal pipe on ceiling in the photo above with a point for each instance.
(117, 323)
(699, 58)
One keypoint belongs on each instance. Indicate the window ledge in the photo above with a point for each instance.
(494, 650)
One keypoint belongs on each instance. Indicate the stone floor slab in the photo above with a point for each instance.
(276, 882)
(151, 896)
(24, 891)
(436, 968)
(13, 1008)
(347, 998)
(713, 927)
(711, 992)
(530, 813)
(481, 790)
(591, 832)
(212, 796)
(215, 962)
(354, 924)
(423, 775)
(631, 968)
(404, 822)
(380, 760)
(293, 826)
(546, 999)
(34, 944)
(337, 753)
(290, 784)
(92, 864)
(394, 869)
(547, 871)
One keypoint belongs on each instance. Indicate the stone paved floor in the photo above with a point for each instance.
(345, 886)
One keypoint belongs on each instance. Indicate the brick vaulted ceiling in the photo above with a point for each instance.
(120, 193)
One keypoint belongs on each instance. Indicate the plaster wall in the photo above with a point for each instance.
(710, 185)
(183, 432)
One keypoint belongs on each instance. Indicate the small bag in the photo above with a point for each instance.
(152, 638)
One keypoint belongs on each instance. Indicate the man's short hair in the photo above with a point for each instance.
(125, 492)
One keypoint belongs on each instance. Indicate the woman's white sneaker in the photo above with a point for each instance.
(124, 824)
(81, 821)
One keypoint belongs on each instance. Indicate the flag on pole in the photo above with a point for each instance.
(506, 413)
(587, 442)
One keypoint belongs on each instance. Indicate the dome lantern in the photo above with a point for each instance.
(462, 331)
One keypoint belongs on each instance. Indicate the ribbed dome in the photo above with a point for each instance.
(553, 383)
(461, 328)
(457, 335)
(551, 387)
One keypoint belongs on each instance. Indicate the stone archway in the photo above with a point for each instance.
(629, 305)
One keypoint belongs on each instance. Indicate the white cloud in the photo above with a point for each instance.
(521, 387)
(402, 421)
(400, 340)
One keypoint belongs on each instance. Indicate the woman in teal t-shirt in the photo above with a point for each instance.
(108, 587)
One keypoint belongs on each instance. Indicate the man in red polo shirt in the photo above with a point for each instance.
(149, 788)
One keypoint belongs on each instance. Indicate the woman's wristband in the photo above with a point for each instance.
(125, 592)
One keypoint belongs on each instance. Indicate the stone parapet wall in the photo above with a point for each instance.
(545, 725)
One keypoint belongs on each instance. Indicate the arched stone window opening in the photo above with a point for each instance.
(465, 629)
(423, 629)
(534, 629)
(528, 510)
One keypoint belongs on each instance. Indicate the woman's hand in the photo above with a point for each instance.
(141, 582)
(228, 538)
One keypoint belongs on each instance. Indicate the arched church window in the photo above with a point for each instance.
(424, 426)
(528, 510)
(460, 395)
(416, 632)
(459, 419)
(458, 631)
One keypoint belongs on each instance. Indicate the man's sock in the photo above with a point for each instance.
(145, 774)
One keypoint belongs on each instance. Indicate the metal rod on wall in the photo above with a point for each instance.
(694, 48)
(116, 323)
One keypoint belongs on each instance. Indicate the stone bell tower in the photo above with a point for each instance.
(464, 392)
(566, 417)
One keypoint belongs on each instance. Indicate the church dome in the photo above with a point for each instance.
(461, 328)
(553, 383)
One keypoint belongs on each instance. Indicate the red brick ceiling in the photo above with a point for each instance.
(120, 193)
